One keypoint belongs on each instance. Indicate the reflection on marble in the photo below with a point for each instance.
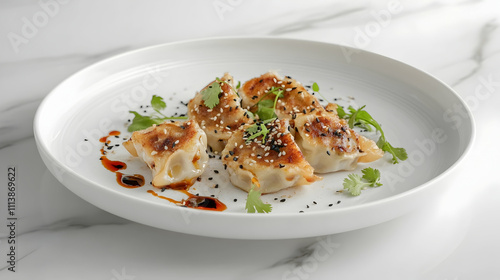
(60, 236)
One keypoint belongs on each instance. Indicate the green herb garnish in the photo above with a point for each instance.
(361, 118)
(354, 183)
(266, 108)
(258, 129)
(210, 94)
(141, 122)
(315, 88)
(255, 203)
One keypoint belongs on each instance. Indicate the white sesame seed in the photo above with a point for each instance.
(153, 153)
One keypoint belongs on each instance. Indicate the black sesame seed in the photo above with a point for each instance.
(283, 200)
(235, 158)
(338, 202)
(282, 165)
(216, 186)
(210, 178)
(301, 211)
(241, 166)
(235, 200)
(314, 202)
(330, 205)
(216, 171)
(328, 152)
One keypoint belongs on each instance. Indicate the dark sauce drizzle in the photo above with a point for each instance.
(136, 180)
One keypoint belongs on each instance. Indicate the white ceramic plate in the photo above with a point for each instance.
(417, 112)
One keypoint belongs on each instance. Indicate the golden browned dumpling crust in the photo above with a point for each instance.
(174, 151)
(273, 159)
(220, 122)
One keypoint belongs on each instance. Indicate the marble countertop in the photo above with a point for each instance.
(60, 236)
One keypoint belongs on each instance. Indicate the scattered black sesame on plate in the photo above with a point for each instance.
(330, 205)
(235, 199)
(283, 200)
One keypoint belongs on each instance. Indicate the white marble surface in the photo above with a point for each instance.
(60, 236)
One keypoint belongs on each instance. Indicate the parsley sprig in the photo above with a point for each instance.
(141, 122)
(354, 183)
(255, 203)
(361, 118)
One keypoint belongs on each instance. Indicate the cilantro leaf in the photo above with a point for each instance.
(397, 153)
(266, 108)
(238, 85)
(363, 119)
(157, 103)
(210, 94)
(141, 122)
(354, 184)
(372, 176)
(255, 204)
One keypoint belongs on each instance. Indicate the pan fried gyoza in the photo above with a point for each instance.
(295, 97)
(329, 144)
(266, 152)
(221, 121)
(174, 151)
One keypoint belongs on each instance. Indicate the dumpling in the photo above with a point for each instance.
(221, 121)
(329, 144)
(174, 151)
(295, 98)
(267, 153)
